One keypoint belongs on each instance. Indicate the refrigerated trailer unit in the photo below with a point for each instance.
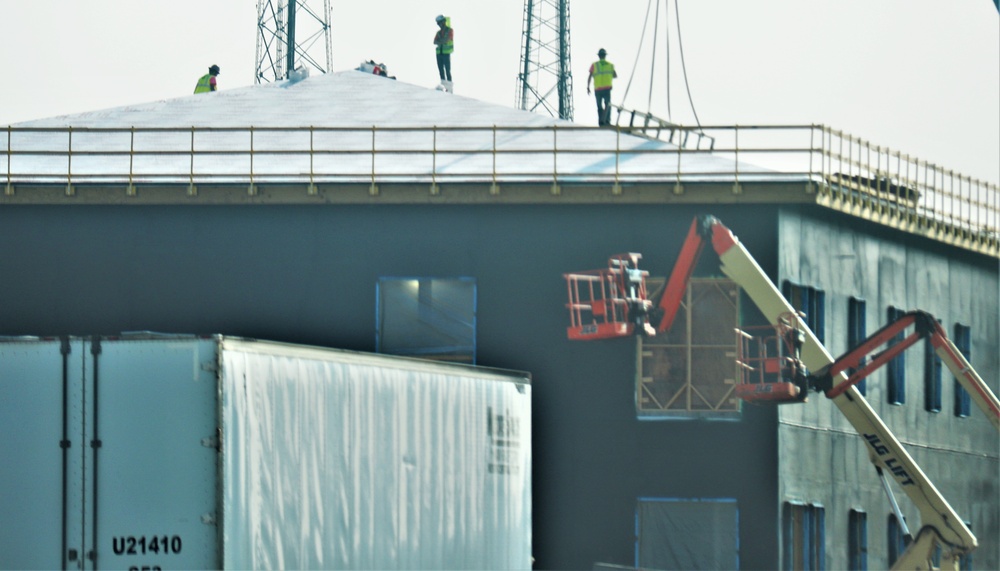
(169, 452)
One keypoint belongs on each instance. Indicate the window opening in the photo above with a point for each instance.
(857, 541)
(896, 539)
(965, 561)
(857, 332)
(896, 367)
(691, 370)
(811, 302)
(932, 378)
(804, 536)
(963, 342)
(430, 318)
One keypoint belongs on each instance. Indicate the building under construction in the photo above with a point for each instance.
(426, 224)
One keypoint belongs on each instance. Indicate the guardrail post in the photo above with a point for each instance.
(555, 162)
(737, 189)
(373, 189)
(678, 187)
(70, 191)
(434, 141)
(616, 188)
(311, 189)
(494, 188)
(9, 187)
(130, 189)
(811, 186)
(252, 189)
(192, 189)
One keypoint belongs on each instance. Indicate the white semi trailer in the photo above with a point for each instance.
(184, 452)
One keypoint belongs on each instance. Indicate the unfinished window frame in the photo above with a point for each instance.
(692, 397)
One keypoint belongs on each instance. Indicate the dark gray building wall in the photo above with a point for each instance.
(821, 458)
(307, 274)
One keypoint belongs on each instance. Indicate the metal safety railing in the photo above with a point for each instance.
(845, 172)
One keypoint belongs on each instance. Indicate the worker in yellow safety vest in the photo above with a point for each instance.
(207, 82)
(602, 72)
(444, 42)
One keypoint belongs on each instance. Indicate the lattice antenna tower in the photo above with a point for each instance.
(546, 78)
(292, 34)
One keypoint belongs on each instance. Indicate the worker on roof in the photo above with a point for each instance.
(207, 82)
(602, 72)
(444, 42)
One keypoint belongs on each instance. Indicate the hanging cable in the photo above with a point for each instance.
(680, 44)
(637, 51)
(652, 64)
(666, 40)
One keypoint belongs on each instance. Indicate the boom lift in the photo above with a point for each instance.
(615, 300)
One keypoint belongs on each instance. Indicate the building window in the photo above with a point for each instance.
(896, 367)
(965, 561)
(932, 378)
(804, 536)
(687, 533)
(690, 371)
(811, 302)
(963, 342)
(430, 318)
(857, 333)
(896, 539)
(857, 541)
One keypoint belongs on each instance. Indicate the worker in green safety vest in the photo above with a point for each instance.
(602, 72)
(207, 82)
(444, 42)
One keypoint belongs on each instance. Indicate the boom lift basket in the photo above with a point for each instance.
(770, 369)
(608, 303)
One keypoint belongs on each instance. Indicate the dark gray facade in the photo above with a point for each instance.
(307, 274)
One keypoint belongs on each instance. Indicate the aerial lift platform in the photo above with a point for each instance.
(789, 363)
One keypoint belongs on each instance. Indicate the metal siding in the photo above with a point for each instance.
(959, 455)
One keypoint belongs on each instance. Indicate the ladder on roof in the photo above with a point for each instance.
(652, 127)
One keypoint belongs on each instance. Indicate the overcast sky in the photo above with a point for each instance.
(918, 76)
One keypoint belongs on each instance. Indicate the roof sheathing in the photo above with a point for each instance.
(343, 128)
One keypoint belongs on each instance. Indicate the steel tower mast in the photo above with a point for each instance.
(546, 77)
(290, 34)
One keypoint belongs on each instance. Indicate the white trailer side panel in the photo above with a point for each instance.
(32, 485)
(340, 460)
(156, 467)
